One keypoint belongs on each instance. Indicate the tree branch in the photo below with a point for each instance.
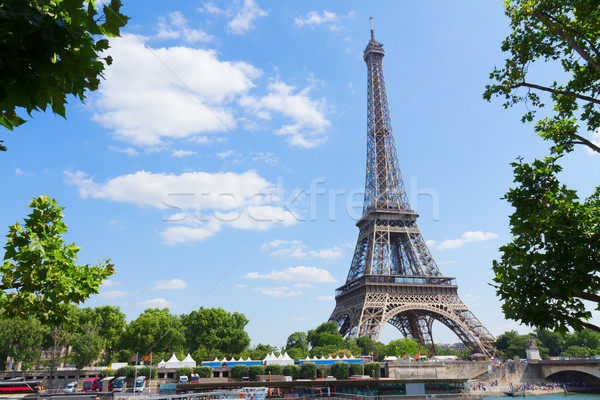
(556, 91)
(587, 296)
(584, 141)
(554, 26)
(14, 285)
(585, 324)
(581, 35)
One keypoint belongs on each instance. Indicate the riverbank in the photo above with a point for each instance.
(497, 391)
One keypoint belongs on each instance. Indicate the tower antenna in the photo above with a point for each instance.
(372, 33)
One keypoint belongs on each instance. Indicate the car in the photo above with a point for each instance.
(71, 387)
(194, 378)
(183, 379)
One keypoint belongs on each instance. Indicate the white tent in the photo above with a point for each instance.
(161, 364)
(188, 362)
(172, 363)
(279, 360)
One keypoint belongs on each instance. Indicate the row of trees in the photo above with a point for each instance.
(102, 335)
(550, 344)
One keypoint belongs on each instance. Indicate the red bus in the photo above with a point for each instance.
(91, 384)
(18, 388)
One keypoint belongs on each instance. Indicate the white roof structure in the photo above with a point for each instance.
(188, 362)
(279, 360)
(175, 363)
(172, 363)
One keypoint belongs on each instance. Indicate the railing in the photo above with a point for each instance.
(409, 280)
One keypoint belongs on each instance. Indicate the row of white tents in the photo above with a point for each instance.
(281, 359)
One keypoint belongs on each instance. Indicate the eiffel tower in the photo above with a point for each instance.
(393, 278)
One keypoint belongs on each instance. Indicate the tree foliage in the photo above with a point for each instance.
(340, 370)
(39, 274)
(87, 345)
(184, 371)
(204, 371)
(373, 369)
(292, 370)
(274, 369)
(154, 330)
(563, 32)
(308, 370)
(549, 269)
(50, 49)
(239, 371)
(255, 370)
(21, 339)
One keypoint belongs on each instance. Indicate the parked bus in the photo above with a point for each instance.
(106, 384)
(19, 388)
(140, 384)
(120, 384)
(91, 384)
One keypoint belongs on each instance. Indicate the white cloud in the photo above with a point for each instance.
(430, 243)
(244, 18)
(225, 154)
(303, 285)
(177, 27)
(296, 274)
(308, 116)
(200, 203)
(18, 171)
(297, 249)
(112, 294)
(281, 291)
(467, 237)
(300, 319)
(333, 253)
(130, 151)
(314, 18)
(285, 248)
(173, 284)
(158, 302)
(153, 94)
(109, 283)
(183, 153)
(326, 298)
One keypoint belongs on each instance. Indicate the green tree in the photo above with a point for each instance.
(51, 49)
(39, 276)
(308, 370)
(579, 351)
(255, 370)
(146, 371)
(549, 269)
(108, 372)
(357, 369)
(156, 331)
(239, 371)
(340, 370)
(373, 369)
(215, 328)
(128, 371)
(234, 339)
(260, 351)
(503, 341)
(274, 369)
(184, 371)
(87, 345)
(366, 345)
(204, 371)
(21, 339)
(326, 334)
(400, 347)
(554, 342)
(292, 370)
(111, 323)
(297, 340)
(551, 264)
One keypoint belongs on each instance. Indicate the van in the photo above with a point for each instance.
(140, 384)
(71, 387)
(194, 378)
(183, 379)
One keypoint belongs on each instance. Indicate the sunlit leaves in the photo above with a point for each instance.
(39, 275)
(50, 49)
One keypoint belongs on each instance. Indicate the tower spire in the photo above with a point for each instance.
(372, 32)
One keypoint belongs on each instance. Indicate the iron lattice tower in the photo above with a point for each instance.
(393, 278)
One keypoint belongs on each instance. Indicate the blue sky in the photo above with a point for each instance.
(221, 163)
